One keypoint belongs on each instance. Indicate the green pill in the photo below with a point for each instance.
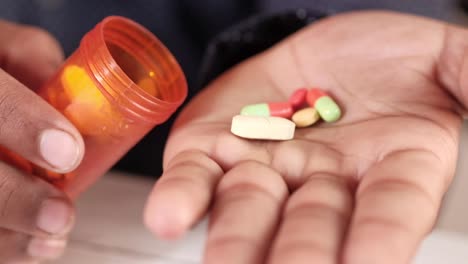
(327, 109)
(256, 110)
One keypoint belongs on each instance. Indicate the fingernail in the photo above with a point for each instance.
(59, 149)
(46, 248)
(55, 217)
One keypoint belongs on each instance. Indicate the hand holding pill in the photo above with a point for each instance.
(373, 149)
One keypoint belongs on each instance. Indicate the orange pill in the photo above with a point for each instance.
(78, 86)
(305, 117)
(149, 86)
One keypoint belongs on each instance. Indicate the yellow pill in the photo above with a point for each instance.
(149, 86)
(305, 117)
(78, 86)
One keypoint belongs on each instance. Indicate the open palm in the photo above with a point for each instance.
(365, 189)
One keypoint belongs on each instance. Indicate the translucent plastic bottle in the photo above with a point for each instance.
(119, 84)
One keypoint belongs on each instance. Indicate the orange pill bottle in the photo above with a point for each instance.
(119, 84)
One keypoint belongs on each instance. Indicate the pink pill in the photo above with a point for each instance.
(298, 98)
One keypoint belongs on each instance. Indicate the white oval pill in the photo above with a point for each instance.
(262, 127)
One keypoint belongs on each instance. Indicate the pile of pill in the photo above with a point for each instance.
(278, 120)
(86, 106)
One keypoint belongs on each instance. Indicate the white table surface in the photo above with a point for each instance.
(110, 230)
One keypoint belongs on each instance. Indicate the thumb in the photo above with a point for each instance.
(29, 54)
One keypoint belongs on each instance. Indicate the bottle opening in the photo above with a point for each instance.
(133, 68)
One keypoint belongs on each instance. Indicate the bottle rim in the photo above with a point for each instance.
(116, 85)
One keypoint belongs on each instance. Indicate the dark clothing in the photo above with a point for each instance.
(187, 27)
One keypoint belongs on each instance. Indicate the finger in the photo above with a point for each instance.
(183, 193)
(29, 54)
(46, 249)
(396, 206)
(34, 130)
(246, 210)
(16, 247)
(32, 206)
(13, 246)
(314, 222)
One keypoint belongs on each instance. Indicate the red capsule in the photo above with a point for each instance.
(281, 109)
(298, 98)
(313, 95)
